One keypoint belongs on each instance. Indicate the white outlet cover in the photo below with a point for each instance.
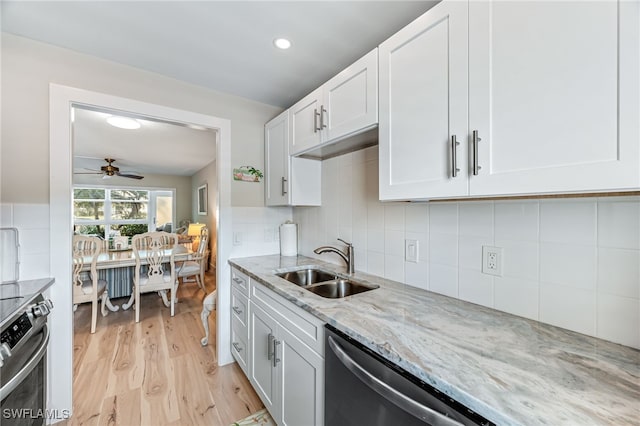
(487, 251)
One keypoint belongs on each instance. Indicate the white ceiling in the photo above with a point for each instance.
(222, 45)
(155, 148)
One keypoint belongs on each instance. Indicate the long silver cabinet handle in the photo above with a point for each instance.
(276, 360)
(270, 346)
(454, 156)
(475, 140)
(316, 114)
(394, 396)
(322, 111)
(284, 186)
(237, 310)
(237, 346)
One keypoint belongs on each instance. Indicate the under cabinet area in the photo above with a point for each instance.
(345, 105)
(284, 358)
(288, 180)
(548, 110)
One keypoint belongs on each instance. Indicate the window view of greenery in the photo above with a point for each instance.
(121, 212)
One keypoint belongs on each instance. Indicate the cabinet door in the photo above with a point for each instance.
(302, 381)
(276, 161)
(423, 104)
(553, 92)
(262, 371)
(350, 99)
(304, 122)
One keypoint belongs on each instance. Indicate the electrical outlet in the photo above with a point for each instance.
(237, 238)
(492, 260)
(411, 251)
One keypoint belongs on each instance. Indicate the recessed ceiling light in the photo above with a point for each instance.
(123, 122)
(282, 43)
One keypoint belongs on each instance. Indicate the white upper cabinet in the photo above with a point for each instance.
(423, 106)
(345, 105)
(553, 100)
(554, 96)
(288, 181)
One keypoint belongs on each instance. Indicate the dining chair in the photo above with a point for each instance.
(195, 265)
(155, 268)
(86, 285)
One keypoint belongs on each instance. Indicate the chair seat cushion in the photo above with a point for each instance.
(165, 278)
(87, 286)
(189, 268)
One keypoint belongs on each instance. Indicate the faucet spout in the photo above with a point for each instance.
(346, 255)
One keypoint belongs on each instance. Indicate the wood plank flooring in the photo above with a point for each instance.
(155, 372)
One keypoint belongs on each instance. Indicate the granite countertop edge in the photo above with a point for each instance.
(496, 407)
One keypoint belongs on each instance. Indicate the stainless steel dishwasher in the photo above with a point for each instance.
(362, 388)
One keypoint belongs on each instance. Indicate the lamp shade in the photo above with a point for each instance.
(194, 229)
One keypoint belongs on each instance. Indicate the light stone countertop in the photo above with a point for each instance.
(509, 369)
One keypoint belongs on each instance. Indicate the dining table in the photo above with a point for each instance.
(116, 266)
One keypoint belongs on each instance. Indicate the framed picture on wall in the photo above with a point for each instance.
(202, 199)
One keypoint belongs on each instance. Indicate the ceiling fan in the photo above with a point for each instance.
(110, 170)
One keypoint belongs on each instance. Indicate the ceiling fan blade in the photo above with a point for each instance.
(87, 173)
(129, 175)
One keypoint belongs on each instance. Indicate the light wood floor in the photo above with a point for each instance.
(155, 372)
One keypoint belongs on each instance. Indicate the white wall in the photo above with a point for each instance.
(206, 175)
(573, 263)
(27, 69)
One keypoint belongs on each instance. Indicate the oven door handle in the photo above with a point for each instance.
(27, 369)
(393, 395)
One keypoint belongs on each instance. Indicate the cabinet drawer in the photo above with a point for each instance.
(240, 281)
(300, 323)
(240, 349)
(240, 311)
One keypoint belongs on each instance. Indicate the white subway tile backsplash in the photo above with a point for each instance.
(516, 220)
(394, 217)
(394, 268)
(6, 215)
(476, 220)
(33, 266)
(619, 319)
(619, 224)
(394, 243)
(520, 259)
(417, 274)
(568, 307)
(34, 241)
(475, 287)
(470, 251)
(568, 265)
(565, 221)
(416, 217)
(27, 216)
(619, 272)
(443, 249)
(516, 296)
(443, 279)
(569, 262)
(443, 218)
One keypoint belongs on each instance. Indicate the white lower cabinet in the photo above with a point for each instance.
(280, 348)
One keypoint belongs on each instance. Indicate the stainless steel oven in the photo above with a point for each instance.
(23, 361)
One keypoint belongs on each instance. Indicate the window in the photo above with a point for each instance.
(109, 212)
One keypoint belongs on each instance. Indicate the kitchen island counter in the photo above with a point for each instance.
(509, 369)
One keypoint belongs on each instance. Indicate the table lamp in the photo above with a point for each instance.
(194, 233)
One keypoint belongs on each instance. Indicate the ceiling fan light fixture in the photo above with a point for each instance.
(123, 122)
(282, 43)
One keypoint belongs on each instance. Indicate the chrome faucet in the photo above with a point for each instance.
(347, 255)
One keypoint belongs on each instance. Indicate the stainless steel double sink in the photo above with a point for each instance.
(326, 284)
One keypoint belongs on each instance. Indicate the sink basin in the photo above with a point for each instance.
(305, 277)
(324, 283)
(339, 288)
